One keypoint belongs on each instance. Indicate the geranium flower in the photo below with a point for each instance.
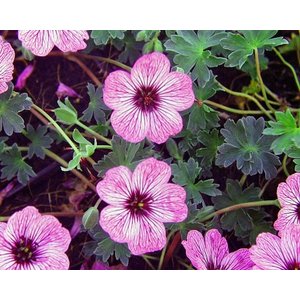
(140, 202)
(41, 42)
(30, 241)
(146, 102)
(65, 91)
(211, 252)
(21, 81)
(288, 194)
(274, 253)
(7, 56)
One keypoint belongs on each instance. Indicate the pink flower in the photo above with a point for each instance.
(139, 204)
(30, 241)
(65, 91)
(288, 194)
(7, 56)
(21, 82)
(41, 42)
(211, 252)
(146, 102)
(274, 253)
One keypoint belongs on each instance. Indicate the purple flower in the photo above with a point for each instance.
(146, 102)
(274, 253)
(21, 82)
(65, 91)
(7, 56)
(140, 202)
(41, 42)
(30, 241)
(288, 194)
(211, 252)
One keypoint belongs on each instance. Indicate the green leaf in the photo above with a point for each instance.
(211, 141)
(191, 51)
(74, 163)
(66, 112)
(245, 145)
(242, 45)
(132, 49)
(295, 153)
(14, 165)
(146, 35)
(101, 37)
(202, 117)
(205, 90)
(86, 148)
(293, 45)
(11, 104)
(90, 218)
(187, 174)
(239, 220)
(95, 107)
(173, 149)
(123, 153)
(39, 141)
(287, 131)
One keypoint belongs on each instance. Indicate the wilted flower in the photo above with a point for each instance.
(146, 102)
(30, 241)
(211, 252)
(65, 91)
(21, 81)
(139, 204)
(7, 56)
(41, 42)
(274, 253)
(288, 194)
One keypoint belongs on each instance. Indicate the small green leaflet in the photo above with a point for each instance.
(101, 37)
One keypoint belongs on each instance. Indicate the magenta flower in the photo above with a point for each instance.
(65, 91)
(140, 202)
(21, 81)
(7, 56)
(30, 241)
(288, 194)
(146, 102)
(211, 252)
(41, 42)
(274, 253)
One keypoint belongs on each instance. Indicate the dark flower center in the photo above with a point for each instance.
(24, 250)
(298, 211)
(146, 98)
(138, 203)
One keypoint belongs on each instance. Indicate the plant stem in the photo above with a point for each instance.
(54, 213)
(148, 262)
(94, 133)
(163, 253)
(239, 94)
(233, 110)
(262, 86)
(239, 206)
(243, 179)
(289, 66)
(57, 127)
(284, 165)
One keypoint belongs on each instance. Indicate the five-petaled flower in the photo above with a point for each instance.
(211, 252)
(274, 253)
(7, 56)
(30, 241)
(288, 194)
(41, 42)
(146, 102)
(139, 203)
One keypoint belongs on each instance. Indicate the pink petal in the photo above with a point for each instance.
(6, 258)
(39, 42)
(289, 192)
(287, 215)
(3, 87)
(69, 40)
(237, 260)
(267, 253)
(65, 91)
(169, 203)
(163, 123)
(51, 259)
(208, 253)
(150, 175)
(21, 82)
(115, 188)
(119, 91)
(150, 69)
(176, 92)
(131, 124)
